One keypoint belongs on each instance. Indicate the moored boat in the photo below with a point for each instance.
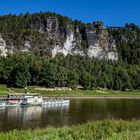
(32, 99)
(20, 99)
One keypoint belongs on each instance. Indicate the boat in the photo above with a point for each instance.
(30, 99)
(22, 99)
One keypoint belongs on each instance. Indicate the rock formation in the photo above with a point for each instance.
(48, 37)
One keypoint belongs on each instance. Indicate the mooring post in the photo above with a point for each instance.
(26, 89)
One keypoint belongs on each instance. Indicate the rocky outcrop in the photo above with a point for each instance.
(69, 47)
(49, 37)
(66, 48)
(100, 44)
(3, 49)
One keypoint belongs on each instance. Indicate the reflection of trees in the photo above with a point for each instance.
(23, 117)
(97, 109)
(55, 115)
(31, 113)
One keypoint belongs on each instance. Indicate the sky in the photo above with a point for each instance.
(111, 12)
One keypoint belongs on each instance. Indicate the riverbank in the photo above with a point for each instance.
(109, 129)
(4, 90)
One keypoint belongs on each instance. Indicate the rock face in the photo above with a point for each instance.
(66, 48)
(48, 37)
(69, 47)
(3, 49)
(101, 46)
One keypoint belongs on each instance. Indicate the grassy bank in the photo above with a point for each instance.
(67, 93)
(3, 89)
(105, 130)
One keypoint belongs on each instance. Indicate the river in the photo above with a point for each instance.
(77, 112)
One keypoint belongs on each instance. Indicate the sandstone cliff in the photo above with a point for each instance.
(46, 36)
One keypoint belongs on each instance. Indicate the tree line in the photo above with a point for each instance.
(19, 70)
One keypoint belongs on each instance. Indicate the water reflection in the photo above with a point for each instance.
(30, 117)
(78, 111)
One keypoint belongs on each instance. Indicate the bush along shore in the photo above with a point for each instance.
(105, 130)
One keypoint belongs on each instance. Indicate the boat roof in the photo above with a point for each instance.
(20, 94)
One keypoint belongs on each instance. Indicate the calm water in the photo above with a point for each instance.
(79, 111)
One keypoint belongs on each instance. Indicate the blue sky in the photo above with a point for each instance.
(111, 12)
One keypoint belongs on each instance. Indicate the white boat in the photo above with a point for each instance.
(19, 99)
(32, 99)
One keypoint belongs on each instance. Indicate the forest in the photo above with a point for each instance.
(24, 69)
